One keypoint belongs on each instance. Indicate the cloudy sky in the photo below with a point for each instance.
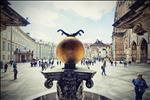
(46, 17)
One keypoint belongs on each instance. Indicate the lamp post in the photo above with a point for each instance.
(70, 78)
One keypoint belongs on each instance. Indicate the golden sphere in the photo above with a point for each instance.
(70, 50)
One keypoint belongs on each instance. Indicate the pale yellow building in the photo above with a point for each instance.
(9, 18)
(24, 48)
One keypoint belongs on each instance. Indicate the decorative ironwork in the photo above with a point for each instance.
(71, 35)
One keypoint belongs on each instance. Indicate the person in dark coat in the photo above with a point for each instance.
(43, 66)
(14, 65)
(115, 63)
(1, 64)
(103, 68)
(139, 85)
(5, 67)
(15, 73)
(125, 63)
(15, 70)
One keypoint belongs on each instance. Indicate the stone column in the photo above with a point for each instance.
(148, 57)
(138, 54)
(20, 57)
(129, 54)
(25, 57)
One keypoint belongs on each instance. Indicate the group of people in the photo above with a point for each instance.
(44, 64)
(88, 62)
(139, 83)
(112, 63)
(125, 63)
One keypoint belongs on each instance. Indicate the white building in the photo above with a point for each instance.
(24, 48)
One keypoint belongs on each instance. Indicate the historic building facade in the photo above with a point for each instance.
(98, 50)
(9, 18)
(131, 22)
(15, 44)
(87, 50)
(24, 48)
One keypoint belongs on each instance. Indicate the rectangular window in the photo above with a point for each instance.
(4, 45)
(12, 48)
(3, 57)
(8, 57)
(8, 46)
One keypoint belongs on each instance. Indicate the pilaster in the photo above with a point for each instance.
(148, 57)
(138, 54)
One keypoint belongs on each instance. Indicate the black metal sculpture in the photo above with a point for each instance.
(70, 78)
(71, 35)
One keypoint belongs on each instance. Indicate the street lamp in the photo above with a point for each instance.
(70, 78)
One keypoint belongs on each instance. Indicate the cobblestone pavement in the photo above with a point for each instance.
(116, 85)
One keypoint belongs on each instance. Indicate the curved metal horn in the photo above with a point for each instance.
(78, 32)
(63, 32)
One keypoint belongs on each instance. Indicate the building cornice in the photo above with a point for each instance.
(127, 18)
(10, 17)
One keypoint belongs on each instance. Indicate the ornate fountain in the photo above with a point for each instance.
(70, 78)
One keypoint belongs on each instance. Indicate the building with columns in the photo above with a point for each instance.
(131, 21)
(15, 44)
(97, 49)
(100, 49)
(24, 48)
(9, 18)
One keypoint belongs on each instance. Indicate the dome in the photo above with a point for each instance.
(70, 50)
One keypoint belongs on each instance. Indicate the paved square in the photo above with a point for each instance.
(117, 85)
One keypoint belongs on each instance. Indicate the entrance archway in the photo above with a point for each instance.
(144, 51)
(22, 58)
(134, 52)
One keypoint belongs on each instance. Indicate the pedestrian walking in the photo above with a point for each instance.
(1, 64)
(57, 62)
(31, 64)
(115, 63)
(140, 86)
(39, 63)
(125, 63)
(11, 62)
(52, 62)
(5, 67)
(111, 63)
(14, 64)
(103, 68)
(15, 73)
(15, 70)
(60, 62)
(43, 66)
(129, 62)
